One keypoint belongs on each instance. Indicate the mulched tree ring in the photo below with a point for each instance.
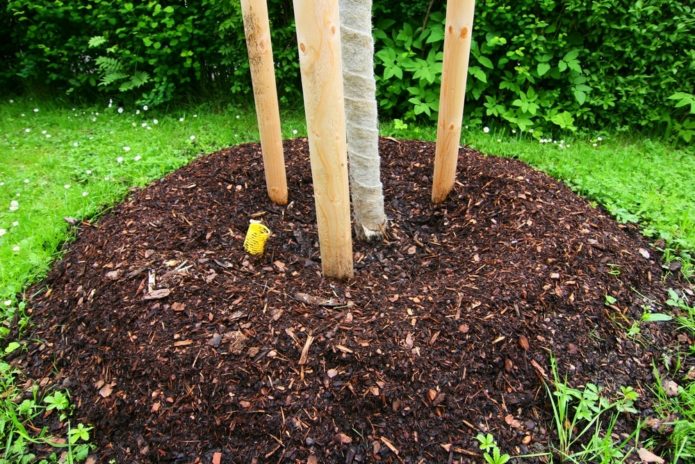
(176, 345)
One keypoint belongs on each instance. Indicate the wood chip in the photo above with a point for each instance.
(178, 307)
(344, 349)
(523, 343)
(539, 369)
(183, 342)
(389, 445)
(317, 301)
(217, 458)
(343, 439)
(305, 351)
(158, 294)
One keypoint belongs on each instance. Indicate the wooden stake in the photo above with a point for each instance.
(457, 47)
(259, 46)
(318, 37)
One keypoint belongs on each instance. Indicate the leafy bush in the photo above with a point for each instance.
(551, 65)
(540, 65)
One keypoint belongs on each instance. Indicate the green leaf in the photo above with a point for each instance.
(656, 317)
(96, 41)
(478, 73)
(12, 346)
(542, 68)
(485, 61)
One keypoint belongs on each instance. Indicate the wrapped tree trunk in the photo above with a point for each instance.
(361, 117)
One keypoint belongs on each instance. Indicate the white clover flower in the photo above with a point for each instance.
(486, 129)
(75, 144)
(36, 110)
(11, 101)
(144, 124)
(48, 136)
(126, 149)
(15, 248)
(195, 115)
(66, 186)
(180, 119)
(594, 144)
(294, 131)
(96, 114)
(14, 205)
(237, 116)
(8, 302)
(74, 109)
(513, 131)
(145, 108)
(499, 140)
(88, 172)
(2, 184)
(22, 115)
(192, 138)
(148, 127)
(120, 110)
(44, 132)
(133, 124)
(155, 122)
(599, 138)
(137, 158)
(119, 160)
(94, 119)
(84, 194)
(2, 232)
(27, 130)
(137, 111)
(15, 224)
(110, 103)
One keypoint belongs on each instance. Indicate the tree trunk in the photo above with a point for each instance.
(361, 117)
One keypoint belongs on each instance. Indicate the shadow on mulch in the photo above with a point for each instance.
(176, 345)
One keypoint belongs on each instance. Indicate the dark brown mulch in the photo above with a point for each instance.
(445, 331)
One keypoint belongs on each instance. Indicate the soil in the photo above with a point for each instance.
(179, 347)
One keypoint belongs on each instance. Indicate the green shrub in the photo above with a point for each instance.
(537, 65)
(550, 65)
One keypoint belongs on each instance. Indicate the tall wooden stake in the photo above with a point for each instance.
(457, 47)
(318, 37)
(257, 29)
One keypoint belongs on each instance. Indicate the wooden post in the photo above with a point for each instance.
(257, 29)
(320, 61)
(457, 47)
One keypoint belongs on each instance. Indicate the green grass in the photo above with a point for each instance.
(62, 162)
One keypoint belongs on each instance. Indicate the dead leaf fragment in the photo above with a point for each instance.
(647, 456)
(343, 439)
(113, 275)
(312, 460)
(236, 340)
(217, 458)
(463, 328)
(106, 390)
(670, 387)
(513, 423)
(315, 300)
(331, 373)
(645, 253)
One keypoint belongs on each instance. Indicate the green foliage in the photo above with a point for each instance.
(548, 66)
(545, 66)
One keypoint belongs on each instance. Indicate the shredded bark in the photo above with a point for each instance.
(179, 347)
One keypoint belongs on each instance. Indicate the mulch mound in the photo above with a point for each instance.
(178, 346)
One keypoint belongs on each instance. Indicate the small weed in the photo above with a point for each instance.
(585, 420)
(491, 452)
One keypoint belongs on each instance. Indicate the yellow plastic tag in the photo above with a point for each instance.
(256, 237)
